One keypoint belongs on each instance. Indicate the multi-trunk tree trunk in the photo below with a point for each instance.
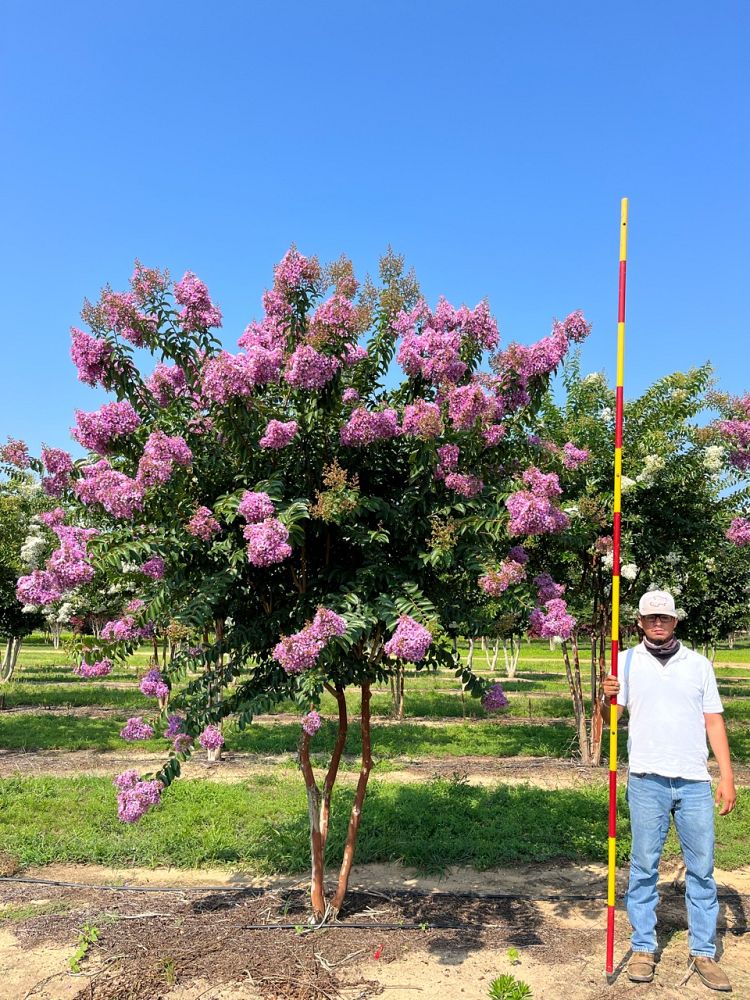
(10, 658)
(319, 806)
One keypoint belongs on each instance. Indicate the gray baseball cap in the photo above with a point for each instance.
(657, 602)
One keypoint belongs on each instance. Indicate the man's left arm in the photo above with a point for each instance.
(726, 794)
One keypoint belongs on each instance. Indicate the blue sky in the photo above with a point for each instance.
(490, 142)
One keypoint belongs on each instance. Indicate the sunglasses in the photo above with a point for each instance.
(653, 619)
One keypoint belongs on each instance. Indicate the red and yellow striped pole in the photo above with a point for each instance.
(616, 586)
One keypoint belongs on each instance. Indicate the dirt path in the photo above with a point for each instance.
(543, 772)
(423, 937)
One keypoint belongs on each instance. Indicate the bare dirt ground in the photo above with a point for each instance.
(216, 935)
(544, 772)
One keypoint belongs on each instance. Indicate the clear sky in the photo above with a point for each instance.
(490, 142)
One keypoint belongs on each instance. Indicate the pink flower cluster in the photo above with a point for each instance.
(148, 282)
(295, 272)
(532, 511)
(153, 685)
(546, 587)
(349, 396)
(226, 376)
(519, 554)
(496, 582)
(59, 465)
(448, 455)
(211, 738)
(136, 729)
(135, 797)
(279, 434)
(410, 641)
(554, 622)
(120, 495)
(422, 420)
(199, 312)
(431, 342)
(267, 542)
(307, 368)
(301, 650)
(738, 432)
(175, 724)
(464, 483)
(15, 453)
(255, 507)
(739, 531)
(312, 723)
(160, 455)
(494, 699)
(92, 357)
(366, 426)
(97, 430)
(203, 524)
(166, 383)
(125, 630)
(154, 568)
(119, 310)
(470, 404)
(65, 569)
(99, 669)
(493, 435)
(334, 322)
(572, 457)
(520, 363)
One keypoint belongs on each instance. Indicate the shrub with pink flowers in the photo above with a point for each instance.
(298, 509)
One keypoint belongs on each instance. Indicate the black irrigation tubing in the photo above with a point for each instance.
(560, 897)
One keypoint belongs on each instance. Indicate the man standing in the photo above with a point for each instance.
(673, 703)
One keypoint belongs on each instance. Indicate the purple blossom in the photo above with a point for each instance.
(422, 419)
(448, 455)
(299, 651)
(15, 453)
(573, 457)
(203, 524)
(349, 396)
(410, 640)
(494, 699)
(211, 738)
(267, 542)
(326, 624)
(353, 354)
(518, 554)
(154, 567)
(120, 312)
(295, 272)
(135, 605)
(312, 723)
(175, 724)
(160, 455)
(121, 630)
(493, 435)
(96, 431)
(39, 587)
(182, 742)
(465, 484)
(99, 669)
(739, 531)
(148, 282)
(309, 369)
(547, 589)
(118, 494)
(153, 685)
(92, 357)
(334, 322)
(542, 484)
(496, 582)
(365, 426)
(279, 434)
(136, 729)
(166, 383)
(66, 568)
(554, 622)
(59, 464)
(135, 797)
(199, 312)
(468, 404)
(255, 507)
(534, 515)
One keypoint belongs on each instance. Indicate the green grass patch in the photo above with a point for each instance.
(261, 825)
(18, 913)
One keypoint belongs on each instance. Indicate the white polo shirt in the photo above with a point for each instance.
(665, 703)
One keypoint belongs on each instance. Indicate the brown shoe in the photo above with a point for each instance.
(641, 967)
(711, 973)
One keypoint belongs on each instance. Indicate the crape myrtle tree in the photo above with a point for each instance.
(281, 502)
(20, 501)
(682, 489)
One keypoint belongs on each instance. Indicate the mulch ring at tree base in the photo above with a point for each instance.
(150, 943)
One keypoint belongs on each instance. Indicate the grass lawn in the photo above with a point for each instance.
(261, 825)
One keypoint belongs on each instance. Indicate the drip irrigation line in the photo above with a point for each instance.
(259, 891)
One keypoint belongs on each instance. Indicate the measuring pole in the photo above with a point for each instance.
(616, 526)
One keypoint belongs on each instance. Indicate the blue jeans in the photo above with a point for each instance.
(652, 799)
